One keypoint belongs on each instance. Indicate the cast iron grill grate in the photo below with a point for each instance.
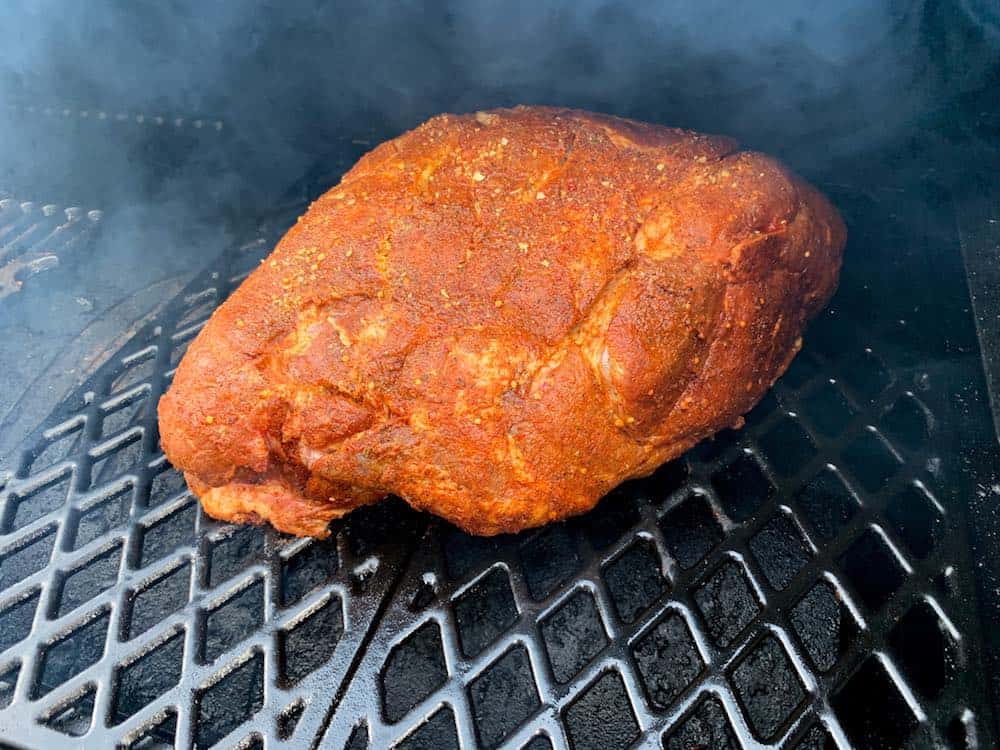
(35, 238)
(800, 582)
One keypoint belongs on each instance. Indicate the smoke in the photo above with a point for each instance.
(185, 121)
(809, 79)
(819, 84)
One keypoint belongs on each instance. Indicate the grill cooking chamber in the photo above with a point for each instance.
(823, 577)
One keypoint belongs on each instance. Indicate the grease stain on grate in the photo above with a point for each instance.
(573, 635)
(602, 716)
(704, 727)
(635, 579)
(780, 550)
(691, 530)
(71, 654)
(767, 687)
(742, 487)
(824, 625)
(78, 586)
(871, 709)
(667, 660)
(727, 602)
(414, 669)
(548, 559)
(16, 619)
(484, 612)
(236, 694)
(156, 600)
(503, 697)
(872, 568)
(310, 642)
(153, 673)
(72, 718)
(27, 557)
(438, 732)
(230, 622)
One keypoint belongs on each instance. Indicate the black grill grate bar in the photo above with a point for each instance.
(825, 557)
(193, 674)
(260, 641)
(521, 593)
(362, 642)
(524, 633)
(775, 603)
(154, 572)
(395, 602)
(62, 558)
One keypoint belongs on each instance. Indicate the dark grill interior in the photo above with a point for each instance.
(827, 576)
(808, 577)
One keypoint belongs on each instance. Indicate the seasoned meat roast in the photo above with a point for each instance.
(499, 317)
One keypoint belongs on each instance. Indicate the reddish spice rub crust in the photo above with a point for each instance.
(499, 317)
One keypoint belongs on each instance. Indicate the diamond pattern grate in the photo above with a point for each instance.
(800, 582)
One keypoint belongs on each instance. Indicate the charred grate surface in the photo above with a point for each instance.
(805, 580)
